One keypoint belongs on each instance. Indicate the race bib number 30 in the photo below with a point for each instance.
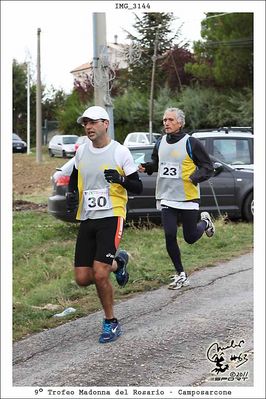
(169, 170)
(95, 200)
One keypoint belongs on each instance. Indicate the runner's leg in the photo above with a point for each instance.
(169, 220)
(192, 231)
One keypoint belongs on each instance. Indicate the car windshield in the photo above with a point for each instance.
(154, 137)
(69, 140)
(141, 155)
(15, 137)
(232, 151)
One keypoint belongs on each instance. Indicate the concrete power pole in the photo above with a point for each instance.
(38, 103)
(100, 67)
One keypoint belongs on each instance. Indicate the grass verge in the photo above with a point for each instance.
(43, 251)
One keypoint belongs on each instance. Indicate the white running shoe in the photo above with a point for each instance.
(179, 281)
(210, 228)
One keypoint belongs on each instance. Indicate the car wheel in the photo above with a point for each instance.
(63, 154)
(248, 208)
(50, 153)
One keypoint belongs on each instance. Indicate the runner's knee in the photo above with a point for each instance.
(191, 238)
(83, 276)
(101, 276)
(169, 238)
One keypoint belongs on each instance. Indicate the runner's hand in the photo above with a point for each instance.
(72, 201)
(112, 176)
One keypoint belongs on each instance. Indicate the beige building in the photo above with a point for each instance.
(118, 54)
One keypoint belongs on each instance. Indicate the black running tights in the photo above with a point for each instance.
(192, 231)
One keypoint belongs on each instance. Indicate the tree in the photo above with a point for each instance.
(210, 108)
(53, 102)
(225, 58)
(19, 97)
(67, 115)
(152, 29)
(84, 89)
(173, 67)
(130, 113)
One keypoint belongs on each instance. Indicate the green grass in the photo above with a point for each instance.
(43, 251)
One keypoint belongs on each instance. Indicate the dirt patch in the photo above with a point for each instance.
(30, 177)
(19, 205)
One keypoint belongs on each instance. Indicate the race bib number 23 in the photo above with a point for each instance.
(169, 170)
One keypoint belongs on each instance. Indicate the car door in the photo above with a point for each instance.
(221, 189)
(144, 203)
(54, 145)
(58, 146)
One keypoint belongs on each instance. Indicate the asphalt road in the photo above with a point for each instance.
(167, 337)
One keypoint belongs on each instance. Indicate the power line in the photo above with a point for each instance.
(219, 15)
(242, 42)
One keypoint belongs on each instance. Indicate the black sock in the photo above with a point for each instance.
(114, 320)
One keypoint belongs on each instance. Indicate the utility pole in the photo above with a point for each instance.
(154, 57)
(101, 67)
(99, 48)
(38, 103)
(28, 108)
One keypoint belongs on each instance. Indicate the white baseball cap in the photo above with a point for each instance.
(94, 113)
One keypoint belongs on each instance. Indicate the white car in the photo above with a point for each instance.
(136, 139)
(62, 145)
(233, 146)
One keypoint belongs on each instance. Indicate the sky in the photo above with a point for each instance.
(66, 32)
(66, 39)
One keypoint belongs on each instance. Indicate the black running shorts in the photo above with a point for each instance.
(98, 239)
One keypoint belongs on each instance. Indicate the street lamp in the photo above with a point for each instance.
(28, 108)
(38, 103)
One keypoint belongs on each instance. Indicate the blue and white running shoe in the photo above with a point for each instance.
(121, 273)
(110, 332)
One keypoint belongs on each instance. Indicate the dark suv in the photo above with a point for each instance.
(232, 145)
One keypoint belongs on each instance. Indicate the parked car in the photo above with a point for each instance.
(233, 146)
(62, 145)
(80, 140)
(140, 138)
(18, 144)
(230, 189)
